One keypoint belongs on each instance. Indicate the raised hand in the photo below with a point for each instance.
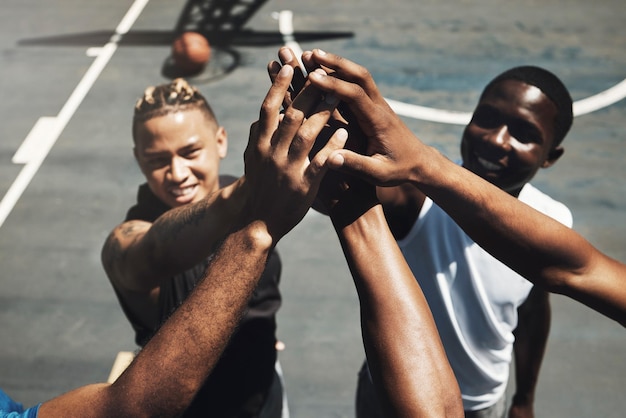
(287, 57)
(336, 187)
(390, 148)
(282, 181)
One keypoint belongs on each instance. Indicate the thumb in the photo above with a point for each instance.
(355, 164)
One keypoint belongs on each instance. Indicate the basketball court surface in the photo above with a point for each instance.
(71, 71)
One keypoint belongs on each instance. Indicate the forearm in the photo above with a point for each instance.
(403, 348)
(166, 374)
(222, 297)
(562, 260)
(184, 236)
(508, 228)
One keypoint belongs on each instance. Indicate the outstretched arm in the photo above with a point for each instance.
(166, 374)
(277, 190)
(536, 246)
(409, 366)
(407, 360)
(138, 255)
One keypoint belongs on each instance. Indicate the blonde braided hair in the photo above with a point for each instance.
(163, 99)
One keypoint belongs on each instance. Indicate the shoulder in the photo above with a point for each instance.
(545, 204)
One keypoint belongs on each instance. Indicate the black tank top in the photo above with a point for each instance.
(245, 371)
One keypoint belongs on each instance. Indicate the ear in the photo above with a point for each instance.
(222, 142)
(553, 156)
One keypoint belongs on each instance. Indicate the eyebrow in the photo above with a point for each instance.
(152, 154)
(508, 120)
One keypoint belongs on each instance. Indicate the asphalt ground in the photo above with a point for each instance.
(62, 74)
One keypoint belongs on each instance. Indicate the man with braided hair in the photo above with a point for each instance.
(158, 254)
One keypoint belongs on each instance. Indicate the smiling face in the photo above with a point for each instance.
(179, 154)
(511, 135)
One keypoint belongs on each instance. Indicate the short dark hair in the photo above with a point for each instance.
(167, 98)
(551, 86)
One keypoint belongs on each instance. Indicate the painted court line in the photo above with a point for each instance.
(285, 27)
(429, 113)
(580, 107)
(47, 129)
(601, 100)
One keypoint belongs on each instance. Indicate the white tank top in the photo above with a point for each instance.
(473, 297)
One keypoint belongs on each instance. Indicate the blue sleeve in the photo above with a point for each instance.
(11, 409)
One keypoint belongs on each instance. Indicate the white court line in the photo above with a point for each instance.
(47, 129)
(600, 100)
(121, 363)
(429, 113)
(285, 27)
(580, 107)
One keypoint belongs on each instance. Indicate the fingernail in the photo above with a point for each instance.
(336, 159)
(321, 52)
(285, 54)
(318, 74)
(274, 66)
(285, 70)
(342, 134)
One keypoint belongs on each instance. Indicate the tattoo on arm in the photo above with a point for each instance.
(185, 217)
(113, 253)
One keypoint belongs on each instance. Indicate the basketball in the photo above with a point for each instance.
(191, 52)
